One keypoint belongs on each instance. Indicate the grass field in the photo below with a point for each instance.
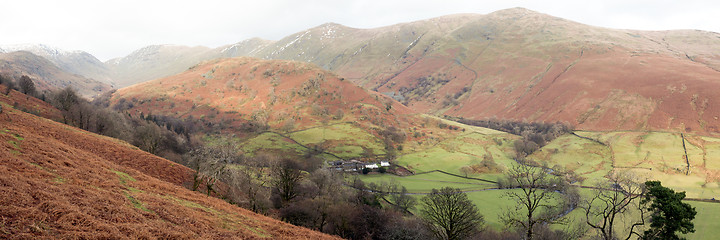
(424, 183)
(463, 150)
(661, 156)
(589, 159)
(492, 202)
(344, 140)
(650, 155)
(488, 200)
(706, 221)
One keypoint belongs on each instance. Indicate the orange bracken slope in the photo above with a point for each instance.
(57, 181)
(236, 90)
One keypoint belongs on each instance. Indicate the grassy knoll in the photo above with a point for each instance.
(587, 158)
(267, 141)
(273, 142)
(344, 140)
(466, 149)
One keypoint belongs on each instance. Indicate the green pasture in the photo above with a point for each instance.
(273, 142)
(344, 140)
(650, 155)
(424, 183)
(661, 156)
(587, 158)
(493, 202)
(706, 221)
(463, 150)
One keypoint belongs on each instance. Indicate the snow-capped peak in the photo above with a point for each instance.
(40, 49)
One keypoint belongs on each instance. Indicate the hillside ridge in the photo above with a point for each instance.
(62, 182)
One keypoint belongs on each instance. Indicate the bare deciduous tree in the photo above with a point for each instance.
(248, 178)
(399, 197)
(613, 200)
(210, 163)
(285, 178)
(148, 138)
(8, 82)
(538, 196)
(26, 85)
(451, 214)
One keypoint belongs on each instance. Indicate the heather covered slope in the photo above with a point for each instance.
(46, 75)
(61, 182)
(519, 64)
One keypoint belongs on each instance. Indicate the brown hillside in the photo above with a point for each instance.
(523, 65)
(61, 182)
(274, 92)
(29, 104)
(46, 75)
(515, 64)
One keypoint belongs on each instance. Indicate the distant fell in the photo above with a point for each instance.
(513, 64)
(46, 75)
(74, 62)
(523, 65)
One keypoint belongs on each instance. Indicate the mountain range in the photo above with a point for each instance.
(511, 64)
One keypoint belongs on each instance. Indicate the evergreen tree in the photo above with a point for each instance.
(669, 213)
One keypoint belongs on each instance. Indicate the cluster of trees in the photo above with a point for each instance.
(424, 87)
(452, 100)
(534, 135)
(160, 136)
(393, 138)
(301, 192)
(623, 196)
(24, 85)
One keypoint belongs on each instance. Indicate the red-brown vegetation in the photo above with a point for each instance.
(247, 94)
(57, 181)
(29, 104)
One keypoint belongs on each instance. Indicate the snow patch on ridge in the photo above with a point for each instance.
(39, 49)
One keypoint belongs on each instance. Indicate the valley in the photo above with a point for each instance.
(341, 132)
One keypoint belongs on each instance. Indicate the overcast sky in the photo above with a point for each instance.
(112, 28)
